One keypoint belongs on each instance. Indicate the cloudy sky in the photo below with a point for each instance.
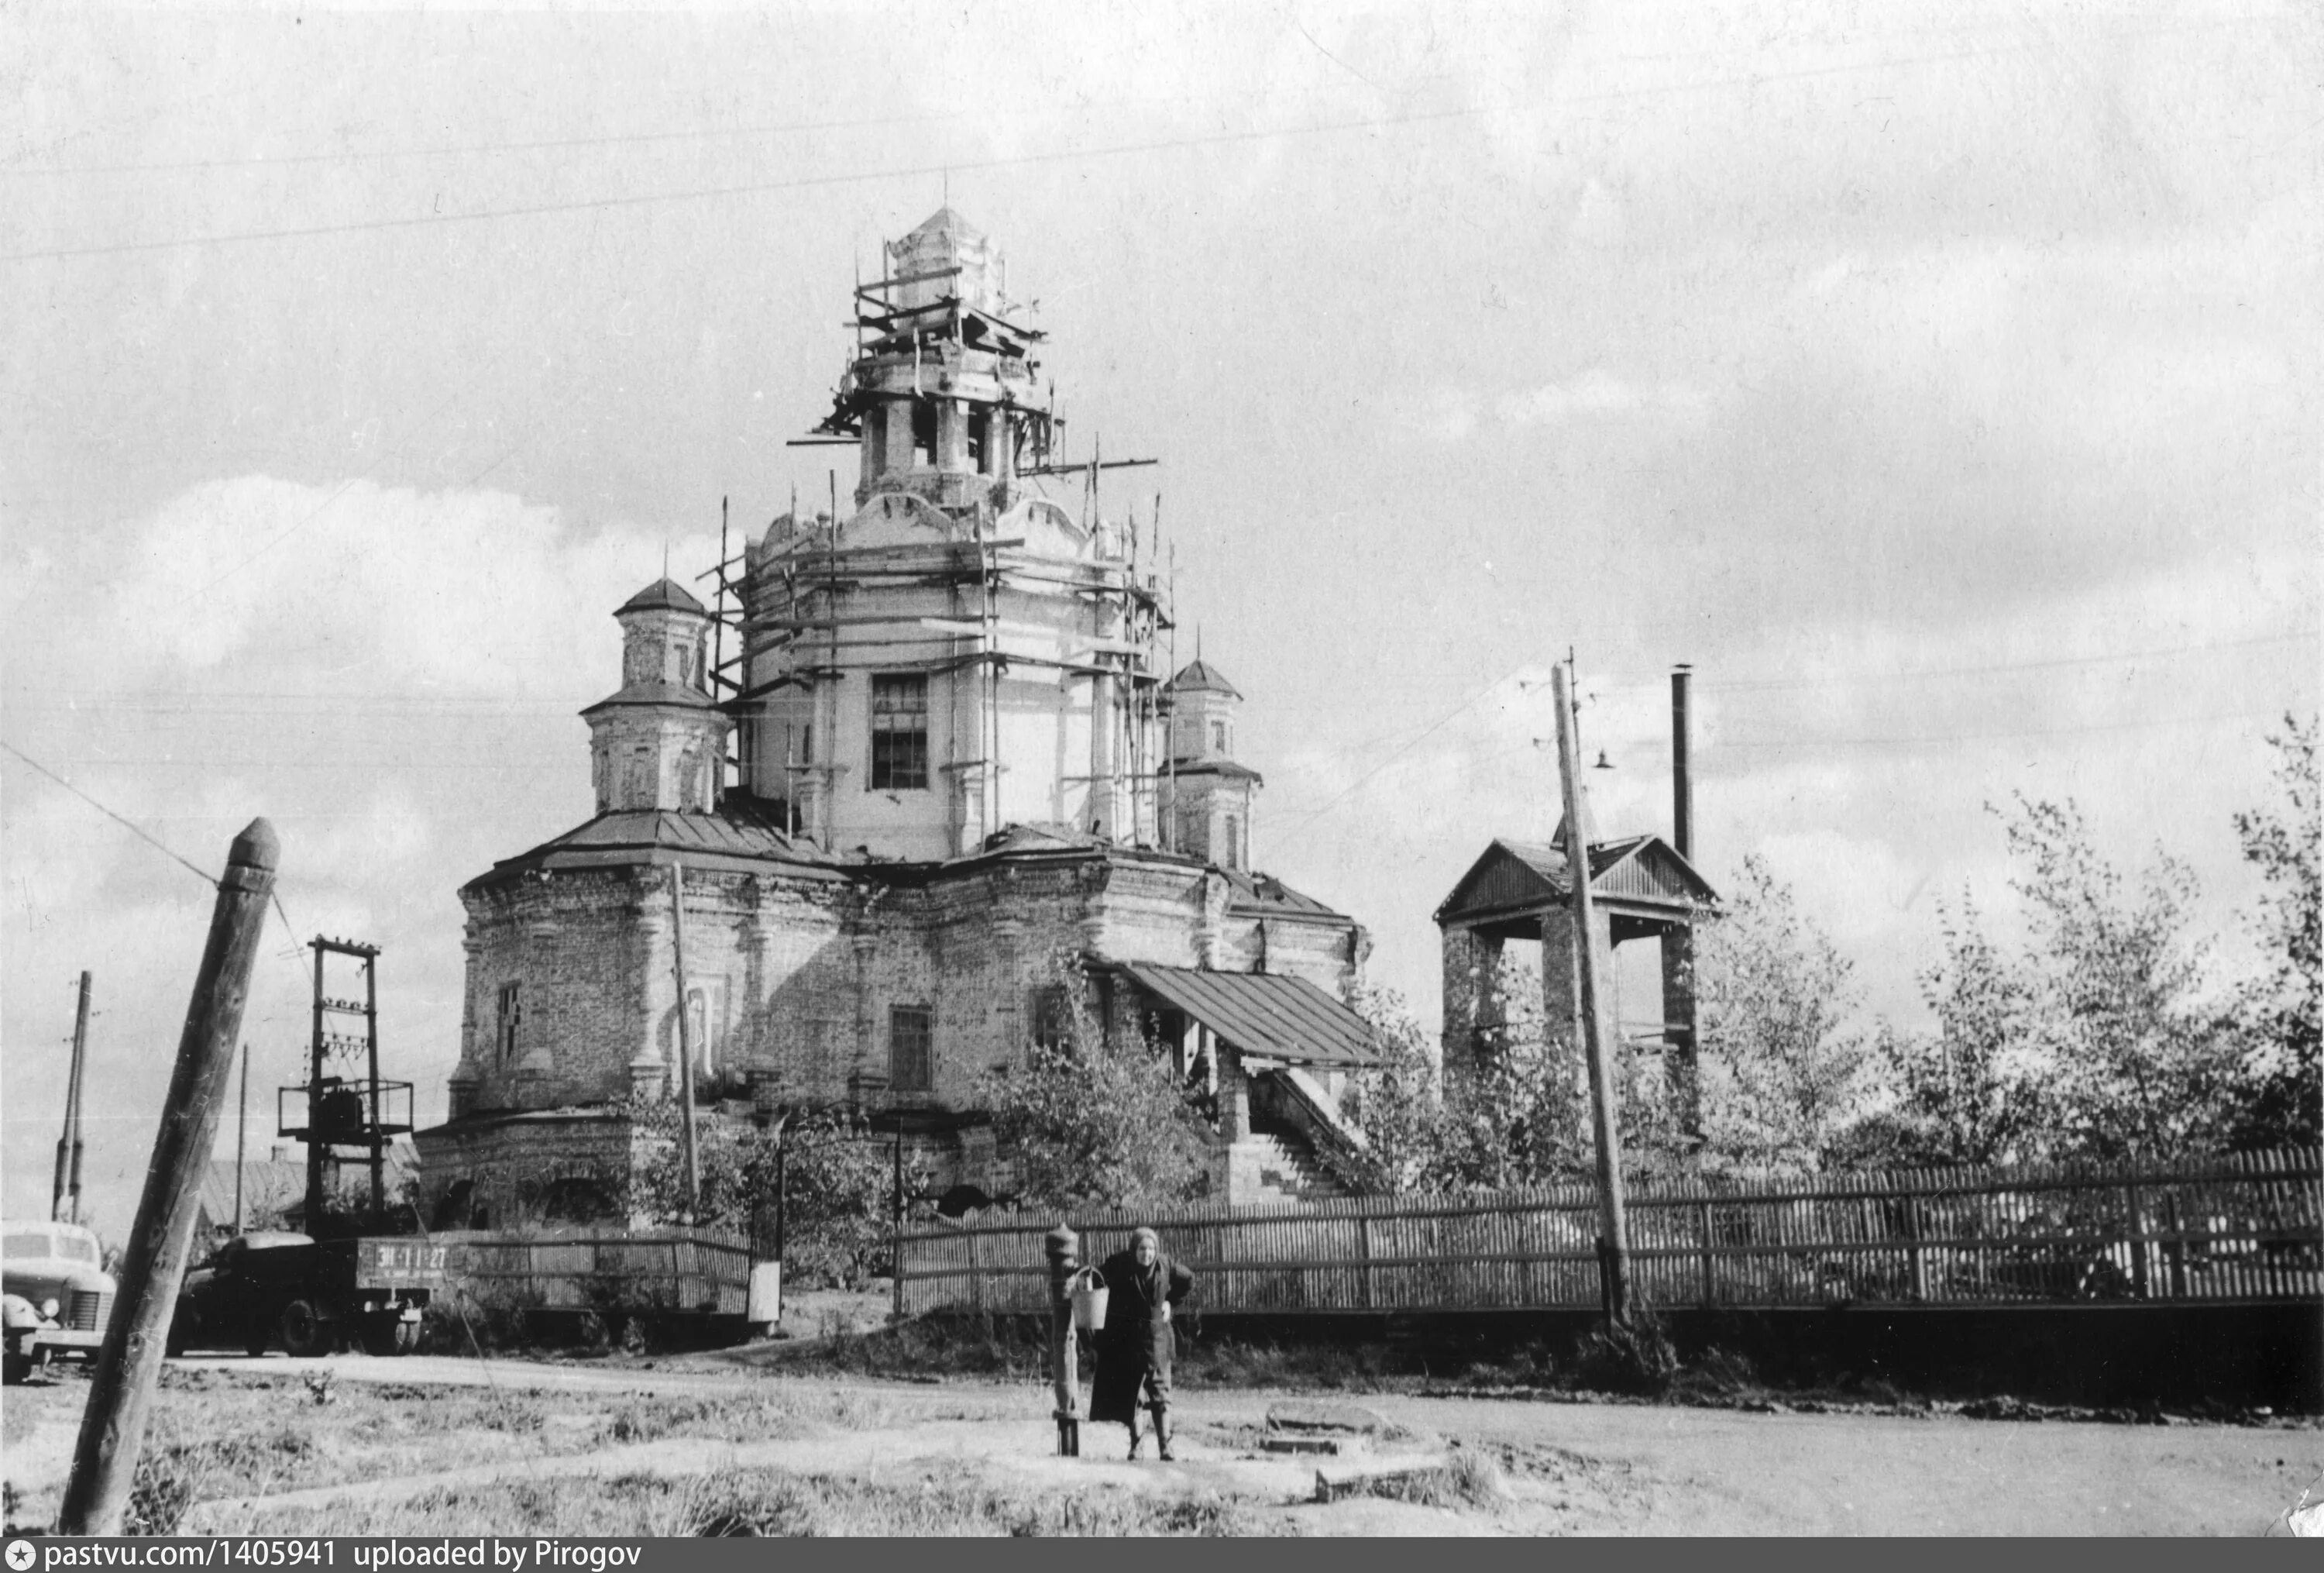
(1939, 380)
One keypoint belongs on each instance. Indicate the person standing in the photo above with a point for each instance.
(1137, 1344)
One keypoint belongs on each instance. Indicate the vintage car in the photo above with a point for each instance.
(55, 1271)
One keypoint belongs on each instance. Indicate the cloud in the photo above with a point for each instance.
(1598, 392)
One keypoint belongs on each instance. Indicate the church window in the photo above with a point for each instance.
(910, 1067)
(923, 433)
(899, 733)
(1051, 1023)
(979, 423)
(511, 1012)
(1218, 737)
(1231, 854)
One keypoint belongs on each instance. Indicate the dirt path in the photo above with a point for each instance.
(1601, 1469)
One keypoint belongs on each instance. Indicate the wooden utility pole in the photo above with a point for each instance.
(1613, 1241)
(685, 1042)
(121, 1390)
(64, 1200)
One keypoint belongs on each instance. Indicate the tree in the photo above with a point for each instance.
(2134, 1062)
(1974, 1091)
(1783, 1075)
(2281, 1013)
(1093, 1123)
(1396, 1103)
(836, 1176)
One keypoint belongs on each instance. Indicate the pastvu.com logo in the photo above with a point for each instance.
(21, 1555)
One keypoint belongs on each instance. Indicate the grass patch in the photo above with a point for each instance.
(223, 1435)
(1469, 1480)
(767, 1502)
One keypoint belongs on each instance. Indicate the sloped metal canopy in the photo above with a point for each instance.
(1265, 1014)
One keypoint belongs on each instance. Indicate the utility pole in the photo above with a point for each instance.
(685, 1042)
(1613, 1241)
(64, 1199)
(129, 1365)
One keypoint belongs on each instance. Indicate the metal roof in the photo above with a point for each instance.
(654, 693)
(1518, 875)
(663, 596)
(637, 836)
(1198, 676)
(1265, 1014)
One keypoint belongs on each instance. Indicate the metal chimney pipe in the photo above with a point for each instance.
(1681, 778)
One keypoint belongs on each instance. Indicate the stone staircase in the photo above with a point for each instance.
(1279, 1166)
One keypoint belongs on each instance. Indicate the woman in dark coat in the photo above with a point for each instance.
(1135, 1347)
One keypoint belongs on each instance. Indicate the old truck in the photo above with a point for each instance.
(59, 1296)
(311, 1297)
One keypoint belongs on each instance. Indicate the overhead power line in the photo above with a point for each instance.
(1017, 161)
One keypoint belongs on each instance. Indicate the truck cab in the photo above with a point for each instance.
(60, 1296)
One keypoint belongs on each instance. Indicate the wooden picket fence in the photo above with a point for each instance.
(680, 1271)
(2241, 1228)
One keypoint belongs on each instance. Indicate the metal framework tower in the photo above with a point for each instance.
(346, 1108)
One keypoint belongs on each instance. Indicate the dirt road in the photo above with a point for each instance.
(1630, 1468)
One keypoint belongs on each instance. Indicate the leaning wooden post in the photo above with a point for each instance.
(1064, 1254)
(121, 1390)
(1613, 1244)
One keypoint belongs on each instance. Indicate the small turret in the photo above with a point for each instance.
(659, 742)
(1206, 795)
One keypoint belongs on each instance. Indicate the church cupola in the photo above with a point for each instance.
(659, 742)
(943, 393)
(1206, 795)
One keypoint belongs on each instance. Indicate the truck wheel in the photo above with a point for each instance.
(304, 1332)
(15, 1366)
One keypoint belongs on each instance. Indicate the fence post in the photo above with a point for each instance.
(1709, 1270)
(1364, 1239)
(129, 1363)
(1916, 1228)
(1062, 1246)
(2175, 1249)
(2139, 1278)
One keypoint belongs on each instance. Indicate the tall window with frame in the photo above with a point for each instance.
(511, 1012)
(1052, 1023)
(910, 1059)
(899, 732)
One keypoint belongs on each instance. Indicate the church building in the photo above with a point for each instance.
(919, 761)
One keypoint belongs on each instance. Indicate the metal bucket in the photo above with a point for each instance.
(1089, 1294)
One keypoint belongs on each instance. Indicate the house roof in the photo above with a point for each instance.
(663, 596)
(1270, 1014)
(1513, 877)
(1198, 676)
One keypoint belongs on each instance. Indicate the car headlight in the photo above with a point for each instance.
(49, 1306)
